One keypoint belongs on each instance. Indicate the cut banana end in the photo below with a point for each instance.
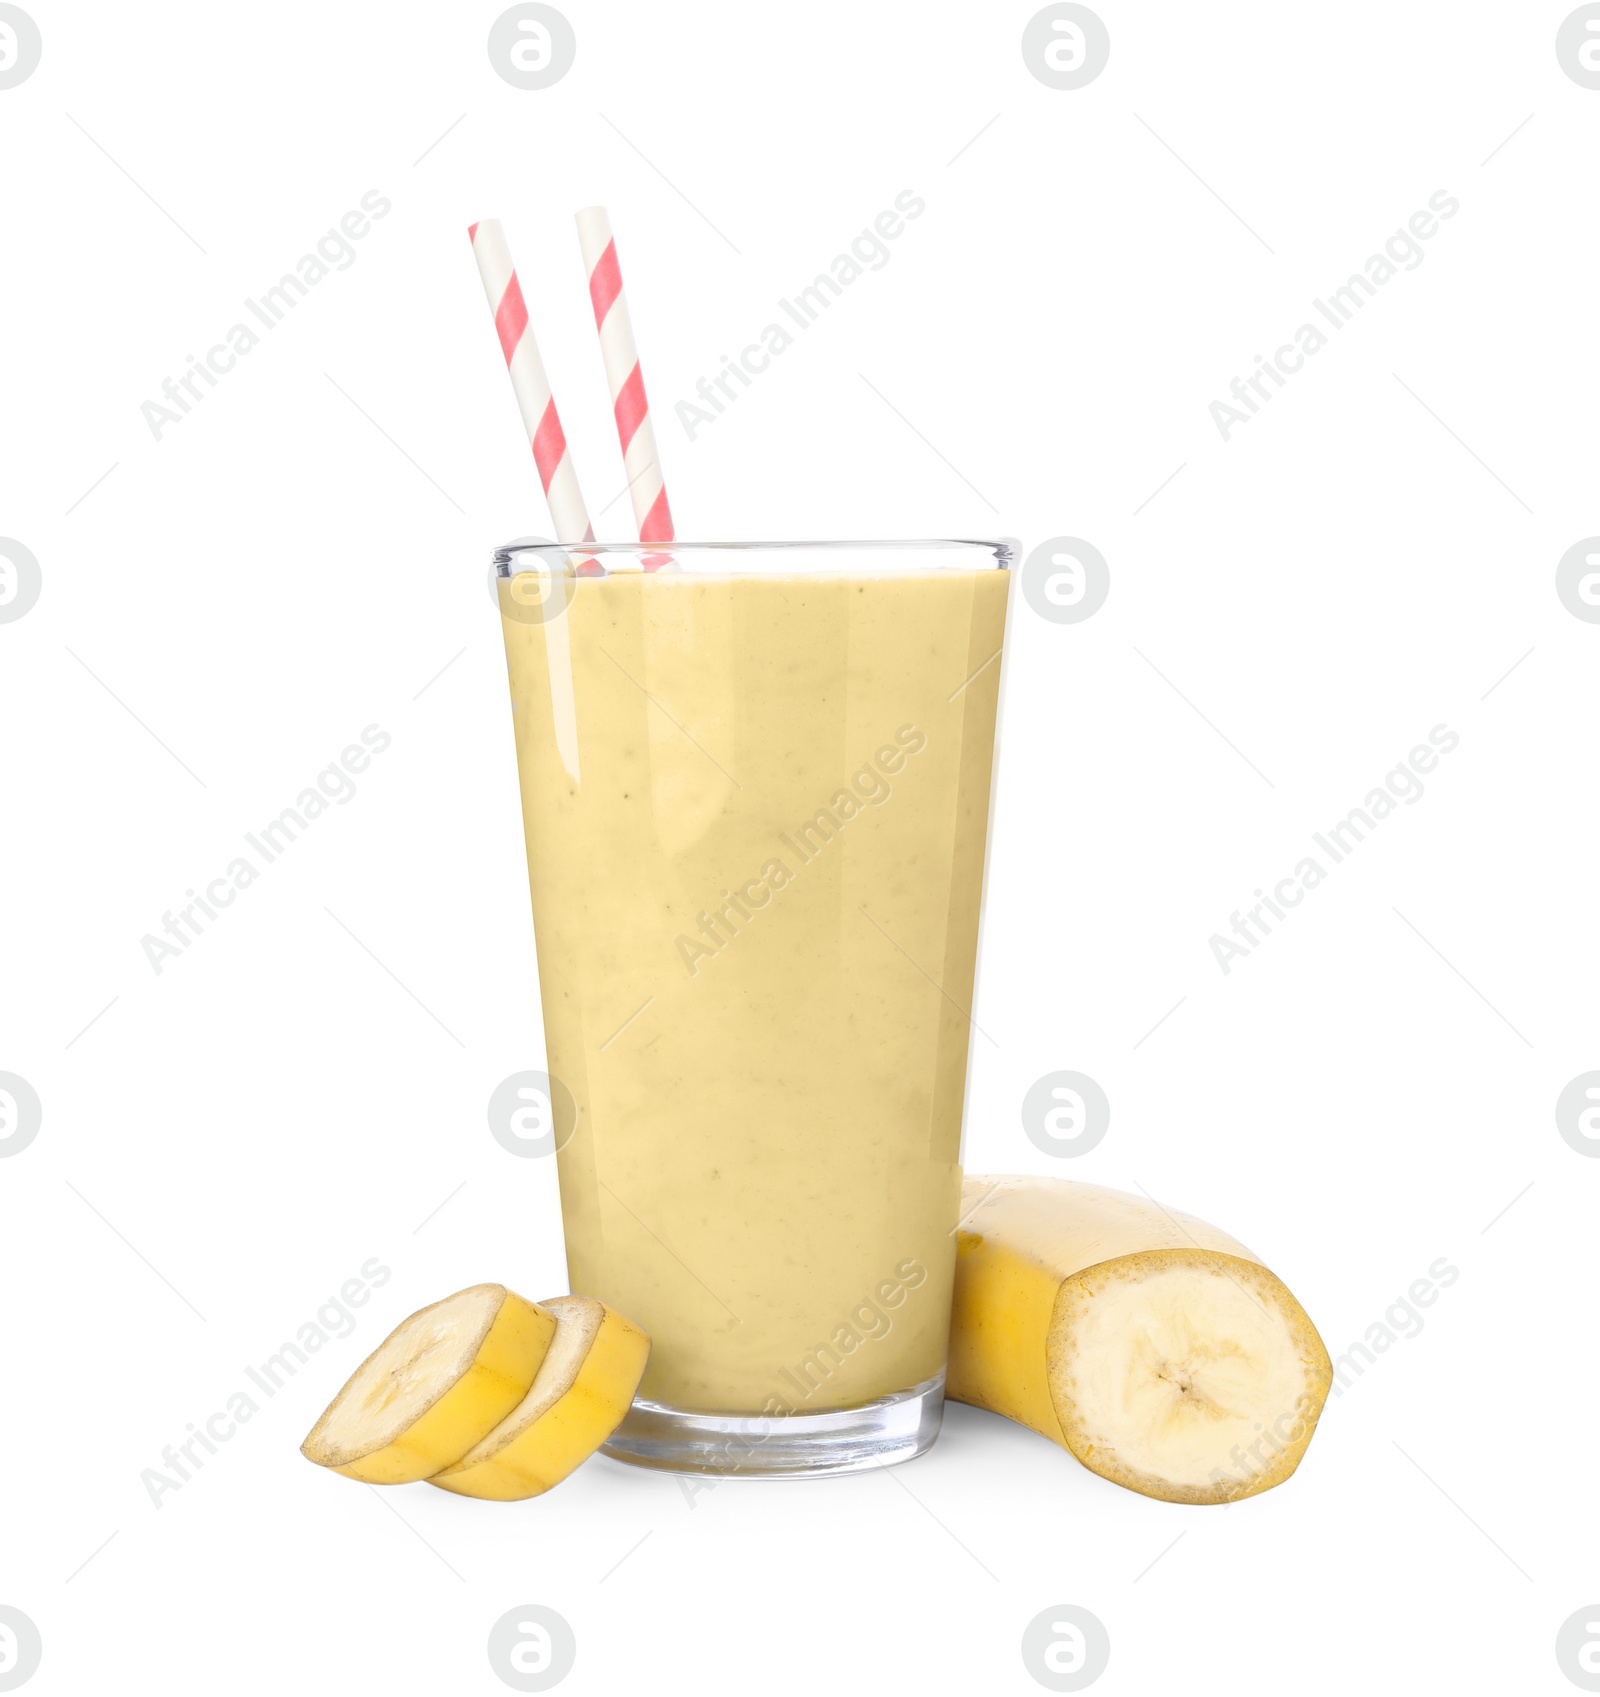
(433, 1387)
(1155, 1348)
(577, 1401)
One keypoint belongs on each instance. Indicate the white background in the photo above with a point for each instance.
(305, 555)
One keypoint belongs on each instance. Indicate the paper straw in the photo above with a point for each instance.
(628, 403)
(530, 385)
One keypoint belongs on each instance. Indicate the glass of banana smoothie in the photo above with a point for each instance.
(755, 790)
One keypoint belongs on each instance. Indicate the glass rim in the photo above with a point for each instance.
(1002, 550)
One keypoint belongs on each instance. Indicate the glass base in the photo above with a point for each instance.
(742, 1446)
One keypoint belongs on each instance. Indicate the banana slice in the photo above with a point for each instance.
(577, 1401)
(1155, 1348)
(433, 1387)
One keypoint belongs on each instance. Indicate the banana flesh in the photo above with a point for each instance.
(433, 1387)
(1154, 1347)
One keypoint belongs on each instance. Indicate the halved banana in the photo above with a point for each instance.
(433, 1387)
(1155, 1348)
(577, 1401)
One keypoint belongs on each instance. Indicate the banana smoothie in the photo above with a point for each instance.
(756, 807)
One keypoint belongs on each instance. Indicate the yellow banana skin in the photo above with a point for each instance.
(576, 1403)
(1034, 1258)
(500, 1373)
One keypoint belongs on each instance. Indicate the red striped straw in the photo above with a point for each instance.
(634, 429)
(530, 385)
